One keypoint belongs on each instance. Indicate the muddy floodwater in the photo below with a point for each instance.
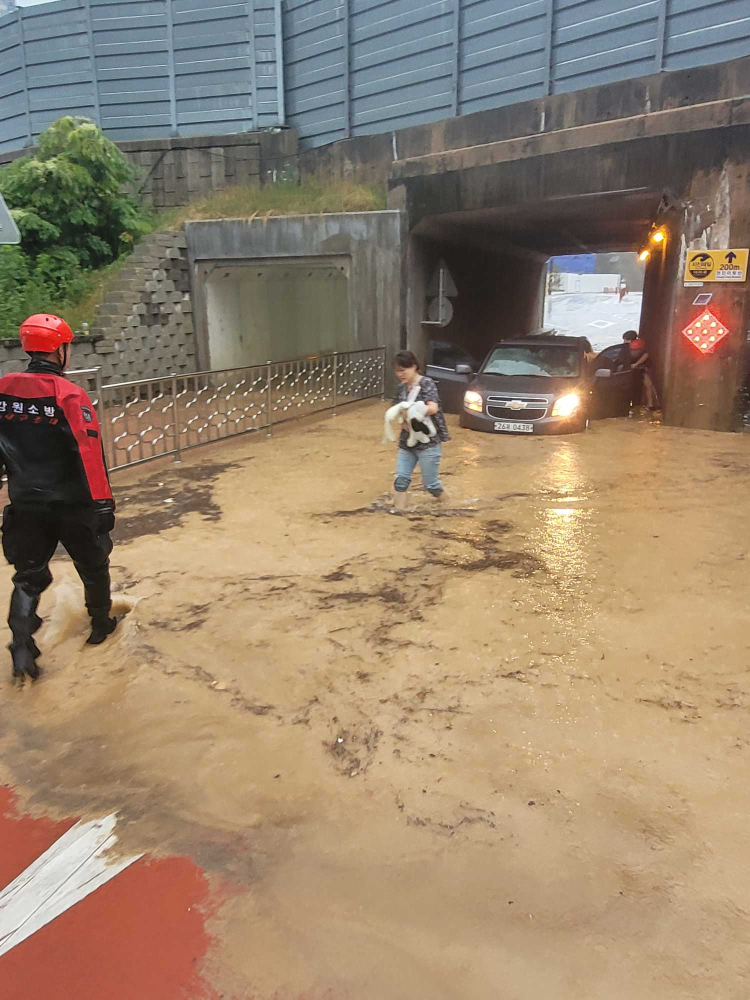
(496, 750)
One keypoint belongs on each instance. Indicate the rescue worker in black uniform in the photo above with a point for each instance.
(58, 485)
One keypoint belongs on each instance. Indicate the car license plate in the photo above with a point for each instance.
(506, 425)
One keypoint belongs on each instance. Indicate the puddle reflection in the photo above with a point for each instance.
(563, 535)
(562, 540)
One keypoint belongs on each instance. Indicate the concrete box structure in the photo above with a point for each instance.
(292, 287)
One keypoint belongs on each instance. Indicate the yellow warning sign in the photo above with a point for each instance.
(717, 265)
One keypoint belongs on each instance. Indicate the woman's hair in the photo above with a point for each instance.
(406, 359)
(630, 335)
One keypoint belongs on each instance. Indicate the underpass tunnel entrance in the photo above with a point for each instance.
(477, 278)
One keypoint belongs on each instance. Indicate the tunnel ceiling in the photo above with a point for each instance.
(602, 223)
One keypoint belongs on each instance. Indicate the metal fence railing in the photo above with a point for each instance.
(158, 417)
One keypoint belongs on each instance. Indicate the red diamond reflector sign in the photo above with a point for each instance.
(705, 332)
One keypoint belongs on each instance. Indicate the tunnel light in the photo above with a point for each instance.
(658, 236)
(705, 333)
(644, 255)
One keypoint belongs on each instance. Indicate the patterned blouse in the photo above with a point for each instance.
(428, 393)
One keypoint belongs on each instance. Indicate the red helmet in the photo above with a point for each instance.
(43, 334)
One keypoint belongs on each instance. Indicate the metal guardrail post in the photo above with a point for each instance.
(280, 61)
(346, 12)
(171, 69)
(335, 382)
(92, 62)
(549, 47)
(101, 414)
(456, 60)
(177, 432)
(269, 398)
(661, 36)
(25, 77)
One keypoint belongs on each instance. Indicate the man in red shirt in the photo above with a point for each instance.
(639, 363)
(51, 450)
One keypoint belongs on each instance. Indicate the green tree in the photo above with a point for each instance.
(71, 205)
(70, 196)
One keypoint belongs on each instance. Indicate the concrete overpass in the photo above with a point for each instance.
(496, 193)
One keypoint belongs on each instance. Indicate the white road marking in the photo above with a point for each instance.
(574, 315)
(75, 866)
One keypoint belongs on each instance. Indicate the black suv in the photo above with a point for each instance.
(536, 385)
(452, 368)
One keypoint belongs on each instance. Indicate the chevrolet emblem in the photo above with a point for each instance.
(516, 404)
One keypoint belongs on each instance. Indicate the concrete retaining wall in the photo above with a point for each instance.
(175, 171)
(85, 354)
(146, 319)
(144, 327)
(172, 172)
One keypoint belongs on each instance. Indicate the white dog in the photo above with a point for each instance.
(414, 415)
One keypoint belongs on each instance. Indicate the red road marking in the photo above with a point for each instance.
(23, 839)
(141, 936)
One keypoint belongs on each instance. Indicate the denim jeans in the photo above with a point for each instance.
(429, 464)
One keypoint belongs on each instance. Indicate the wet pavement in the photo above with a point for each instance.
(494, 748)
(601, 318)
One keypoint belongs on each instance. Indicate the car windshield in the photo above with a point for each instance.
(547, 360)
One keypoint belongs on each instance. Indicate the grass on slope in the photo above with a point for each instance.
(84, 310)
(246, 201)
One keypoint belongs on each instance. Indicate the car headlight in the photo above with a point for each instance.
(566, 406)
(473, 401)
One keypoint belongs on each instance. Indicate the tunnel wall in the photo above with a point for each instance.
(705, 391)
(659, 293)
(499, 296)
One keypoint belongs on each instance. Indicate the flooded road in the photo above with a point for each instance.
(494, 749)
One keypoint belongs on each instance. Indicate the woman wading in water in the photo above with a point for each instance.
(416, 388)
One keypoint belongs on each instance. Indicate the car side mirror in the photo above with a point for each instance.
(603, 373)
(464, 370)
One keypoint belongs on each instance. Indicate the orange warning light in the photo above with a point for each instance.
(705, 332)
